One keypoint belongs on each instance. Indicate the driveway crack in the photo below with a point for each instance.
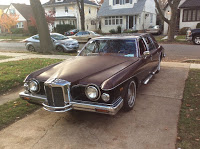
(52, 126)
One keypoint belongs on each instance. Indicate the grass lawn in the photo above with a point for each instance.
(4, 57)
(15, 110)
(179, 39)
(189, 119)
(13, 73)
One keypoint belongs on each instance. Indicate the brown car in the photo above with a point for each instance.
(103, 78)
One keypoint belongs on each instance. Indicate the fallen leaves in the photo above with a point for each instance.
(188, 105)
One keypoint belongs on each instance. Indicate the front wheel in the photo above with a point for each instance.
(59, 49)
(196, 40)
(130, 96)
(31, 48)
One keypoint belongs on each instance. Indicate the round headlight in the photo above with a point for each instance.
(105, 97)
(92, 93)
(33, 86)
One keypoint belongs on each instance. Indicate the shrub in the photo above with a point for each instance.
(64, 28)
(119, 29)
(130, 31)
(198, 25)
(32, 30)
(112, 31)
(17, 30)
(183, 30)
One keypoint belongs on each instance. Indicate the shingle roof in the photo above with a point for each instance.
(51, 2)
(190, 3)
(4, 6)
(24, 10)
(106, 9)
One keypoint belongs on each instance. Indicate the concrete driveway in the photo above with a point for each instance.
(151, 125)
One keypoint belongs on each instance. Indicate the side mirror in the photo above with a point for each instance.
(146, 53)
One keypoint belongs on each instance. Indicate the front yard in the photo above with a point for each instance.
(189, 119)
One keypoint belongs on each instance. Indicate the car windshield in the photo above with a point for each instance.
(58, 37)
(125, 48)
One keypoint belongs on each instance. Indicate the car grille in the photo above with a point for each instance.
(57, 94)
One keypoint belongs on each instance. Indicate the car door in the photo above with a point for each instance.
(145, 63)
(36, 42)
(154, 54)
(78, 36)
(86, 36)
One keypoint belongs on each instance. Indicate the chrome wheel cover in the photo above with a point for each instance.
(131, 94)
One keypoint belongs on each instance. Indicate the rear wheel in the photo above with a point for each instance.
(31, 48)
(130, 95)
(59, 49)
(196, 40)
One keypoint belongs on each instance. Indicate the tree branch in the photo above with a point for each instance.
(161, 13)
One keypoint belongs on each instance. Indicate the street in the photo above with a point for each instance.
(174, 52)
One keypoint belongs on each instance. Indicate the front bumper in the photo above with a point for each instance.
(110, 109)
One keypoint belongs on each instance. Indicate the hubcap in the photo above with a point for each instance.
(197, 40)
(131, 94)
(31, 48)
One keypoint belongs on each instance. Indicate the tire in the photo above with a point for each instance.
(31, 48)
(158, 67)
(196, 40)
(130, 95)
(59, 49)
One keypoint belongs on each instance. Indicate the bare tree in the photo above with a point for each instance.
(80, 4)
(173, 4)
(46, 45)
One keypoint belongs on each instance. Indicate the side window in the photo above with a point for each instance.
(86, 33)
(79, 34)
(142, 46)
(36, 37)
(150, 43)
(154, 41)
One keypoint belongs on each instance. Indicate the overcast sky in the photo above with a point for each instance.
(7, 2)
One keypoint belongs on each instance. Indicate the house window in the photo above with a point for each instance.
(54, 9)
(93, 22)
(151, 18)
(127, 1)
(117, 2)
(89, 10)
(20, 25)
(66, 9)
(114, 20)
(191, 15)
(12, 11)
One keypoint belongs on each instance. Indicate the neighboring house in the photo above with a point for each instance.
(67, 12)
(129, 14)
(23, 11)
(2, 8)
(188, 14)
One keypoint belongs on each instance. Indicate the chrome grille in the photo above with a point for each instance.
(57, 92)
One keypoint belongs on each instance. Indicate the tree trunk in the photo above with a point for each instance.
(46, 45)
(80, 4)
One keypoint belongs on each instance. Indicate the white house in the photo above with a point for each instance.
(24, 13)
(188, 14)
(129, 14)
(67, 12)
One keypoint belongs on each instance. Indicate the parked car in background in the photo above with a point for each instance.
(71, 32)
(84, 36)
(103, 78)
(193, 35)
(154, 29)
(61, 43)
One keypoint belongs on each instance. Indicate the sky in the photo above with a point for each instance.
(7, 2)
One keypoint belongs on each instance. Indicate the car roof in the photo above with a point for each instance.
(123, 36)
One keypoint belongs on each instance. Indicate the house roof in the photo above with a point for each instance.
(190, 4)
(106, 9)
(52, 2)
(4, 6)
(24, 10)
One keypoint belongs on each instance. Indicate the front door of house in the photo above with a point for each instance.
(130, 22)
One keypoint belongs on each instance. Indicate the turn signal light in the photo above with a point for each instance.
(102, 110)
(26, 98)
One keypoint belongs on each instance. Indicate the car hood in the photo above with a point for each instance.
(86, 69)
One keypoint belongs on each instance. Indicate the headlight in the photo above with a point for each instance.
(105, 97)
(33, 86)
(92, 93)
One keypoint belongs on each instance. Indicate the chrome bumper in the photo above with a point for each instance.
(110, 109)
